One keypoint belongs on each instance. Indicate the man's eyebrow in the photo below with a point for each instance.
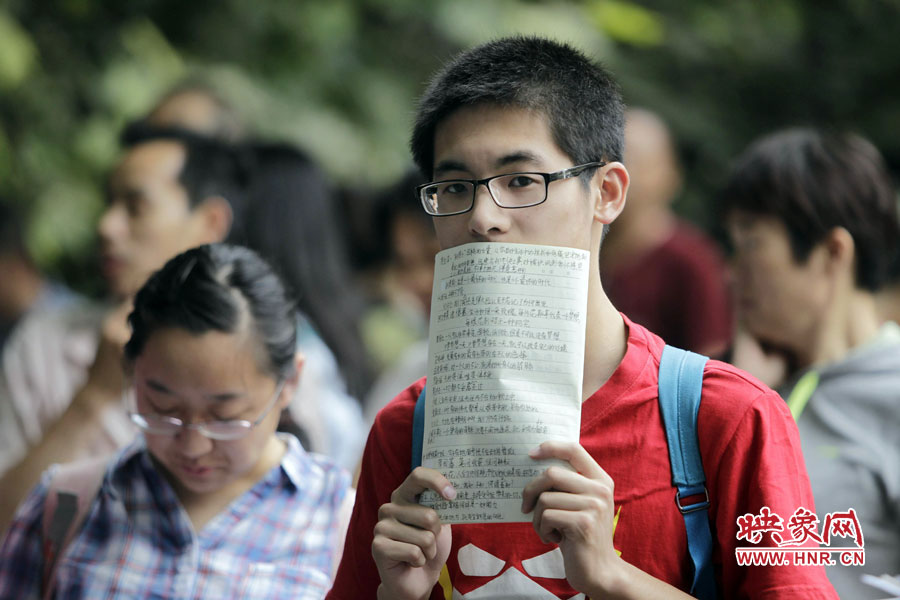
(505, 160)
(517, 157)
(449, 165)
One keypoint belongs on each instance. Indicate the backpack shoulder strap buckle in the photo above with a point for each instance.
(687, 493)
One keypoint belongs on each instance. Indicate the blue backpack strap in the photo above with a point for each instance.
(680, 386)
(418, 430)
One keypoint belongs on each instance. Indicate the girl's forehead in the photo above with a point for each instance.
(209, 359)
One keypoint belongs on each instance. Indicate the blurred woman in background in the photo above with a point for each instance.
(292, 222)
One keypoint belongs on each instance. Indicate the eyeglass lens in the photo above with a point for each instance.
(159, 425)
(510, 191)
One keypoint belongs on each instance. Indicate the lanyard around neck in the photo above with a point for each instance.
(802, 392)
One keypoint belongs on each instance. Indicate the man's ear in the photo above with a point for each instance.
(611, 186)
(840, 251)
(293, 382)
(215, 219)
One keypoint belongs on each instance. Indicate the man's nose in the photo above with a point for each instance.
(486, 217)
(112, 222)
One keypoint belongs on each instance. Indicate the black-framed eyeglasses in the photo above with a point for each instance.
(509, 190)
(216, 430)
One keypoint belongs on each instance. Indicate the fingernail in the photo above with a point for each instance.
(449, 492)
(534, 452)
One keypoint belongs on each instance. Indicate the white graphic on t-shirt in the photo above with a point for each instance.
(549, 564)
(475, 562)
(512, 584)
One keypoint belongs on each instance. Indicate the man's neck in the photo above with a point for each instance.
(852, 321)
(605, 338)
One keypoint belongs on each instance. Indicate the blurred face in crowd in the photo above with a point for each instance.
(483, 140)
(780, 300)
(212, 376)
(148, 218)
(652, 163)
(414, 247)
(15, 274)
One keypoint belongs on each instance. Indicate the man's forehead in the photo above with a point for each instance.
(489, 112)
(526, 137)
(742, 219)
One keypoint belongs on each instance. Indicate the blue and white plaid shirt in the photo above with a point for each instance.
(277, 540)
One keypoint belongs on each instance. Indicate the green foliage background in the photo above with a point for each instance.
(340, 78)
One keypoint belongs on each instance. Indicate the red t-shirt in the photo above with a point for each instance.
(751, 456)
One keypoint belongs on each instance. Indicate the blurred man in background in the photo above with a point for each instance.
(813, 221)
(658, 269)
(62, 375)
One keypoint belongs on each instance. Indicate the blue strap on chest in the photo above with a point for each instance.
(418, 430)
(680, 386)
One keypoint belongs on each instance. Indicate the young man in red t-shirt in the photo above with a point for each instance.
(531, 105)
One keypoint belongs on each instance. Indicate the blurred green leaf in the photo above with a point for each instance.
(18, 54)
(62, 228)
(142, 70)
(6, 159)
(628, 22)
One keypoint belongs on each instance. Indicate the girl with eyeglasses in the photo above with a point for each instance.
(210, 501)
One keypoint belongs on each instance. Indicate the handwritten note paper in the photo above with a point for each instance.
(506, 357)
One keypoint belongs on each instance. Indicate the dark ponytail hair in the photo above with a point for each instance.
(218, 287)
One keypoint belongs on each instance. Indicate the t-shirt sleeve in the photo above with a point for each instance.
(21, 559)
(753, 448)
(385, 464)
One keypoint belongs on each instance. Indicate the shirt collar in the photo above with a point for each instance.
(292, 462)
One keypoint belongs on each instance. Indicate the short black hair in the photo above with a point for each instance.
(813, 181)
(579, 98)
(218, 287)
(211, 167)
